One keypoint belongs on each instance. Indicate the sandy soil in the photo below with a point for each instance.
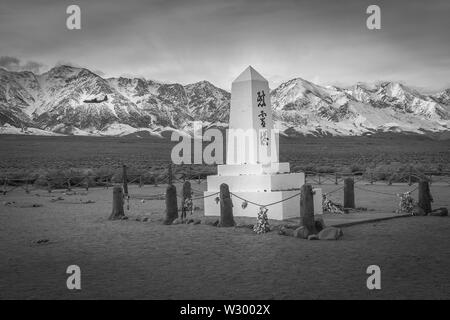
(146, 260)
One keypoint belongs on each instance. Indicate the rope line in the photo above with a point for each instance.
(266, 205)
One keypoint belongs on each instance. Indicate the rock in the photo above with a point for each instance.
(330, 233)
(441, 212)
(301, 232)
(197, 221)
(286, 232)
(145, 219)
(211, 223)
(188, 221)
(418, 211)
(313, 237)
(319, 224)
(177, 221)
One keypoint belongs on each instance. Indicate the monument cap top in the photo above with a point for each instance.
(250, 74)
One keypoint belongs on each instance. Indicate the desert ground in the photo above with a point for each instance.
(133, 259)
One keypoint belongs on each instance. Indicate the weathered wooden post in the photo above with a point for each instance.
(171, 204)
(117, 210)
(349, 193)
(86, 181)
(187, 195)
(140, 181)
(425, 197)
(69, 187)
(335, 178)
(125, 180)
(226, 207)
(49, 185)
(307, 208)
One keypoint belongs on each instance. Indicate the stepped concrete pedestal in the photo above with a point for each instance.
(252, 171)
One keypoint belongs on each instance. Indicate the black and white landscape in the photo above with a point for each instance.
(134, 153)
(76, 101)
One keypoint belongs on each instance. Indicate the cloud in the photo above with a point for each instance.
(9, 62)
(14, 64)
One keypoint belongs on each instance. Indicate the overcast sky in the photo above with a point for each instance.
(324, 41)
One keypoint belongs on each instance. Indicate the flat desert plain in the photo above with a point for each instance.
(133, 259)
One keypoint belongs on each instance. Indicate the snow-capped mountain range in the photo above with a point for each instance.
(69, 100)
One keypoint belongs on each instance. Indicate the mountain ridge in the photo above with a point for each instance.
(71, 100)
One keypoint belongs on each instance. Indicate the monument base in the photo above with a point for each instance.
(283, 210)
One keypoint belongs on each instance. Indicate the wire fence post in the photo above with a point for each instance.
(125, 180)
(117, 210)
(171, 204)
(425, 197)
(307, 208)
(349, 193)
(186, 203)
(226, 207)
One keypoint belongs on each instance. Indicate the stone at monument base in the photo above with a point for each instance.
(280, 211)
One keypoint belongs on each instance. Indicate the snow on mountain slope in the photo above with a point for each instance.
(69, 100)
(301, 106)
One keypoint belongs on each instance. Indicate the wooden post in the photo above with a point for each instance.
(425, 197)
(117, 211)
(349, 193)
(27, 190)
(49, 185)
(187, 194)
(335, 178)
(410, 176)
(69, 187)
(140, 182)
(307, 208)
(86, 183)
(371, 178)
(125, 180)
(171, 204)
(319, 180)
(199, 179)
(226, 207)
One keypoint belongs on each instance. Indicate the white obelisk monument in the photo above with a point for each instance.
(252, 170)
